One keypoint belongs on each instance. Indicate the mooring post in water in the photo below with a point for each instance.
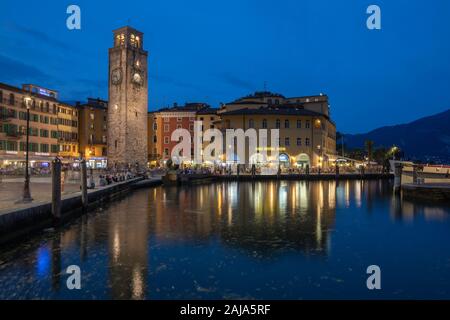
(397, 177)
(56, 189)
(84, 194)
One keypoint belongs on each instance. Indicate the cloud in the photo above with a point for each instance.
(42, 37)
(168, 80)
(235, 81)
(13, 70)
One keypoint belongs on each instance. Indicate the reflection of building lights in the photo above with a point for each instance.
(137, 284)
(116, 245)
(43, 261)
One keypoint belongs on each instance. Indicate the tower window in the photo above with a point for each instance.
(119, 40)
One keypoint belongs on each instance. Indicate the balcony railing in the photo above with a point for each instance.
(14, 134)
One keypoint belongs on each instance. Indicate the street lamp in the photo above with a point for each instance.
(26, 189)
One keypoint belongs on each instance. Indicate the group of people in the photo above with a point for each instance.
(105, 178)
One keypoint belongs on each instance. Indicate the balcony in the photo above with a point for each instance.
(6, 117)
(14, 134)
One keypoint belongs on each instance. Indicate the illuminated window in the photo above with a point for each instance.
(317, 124)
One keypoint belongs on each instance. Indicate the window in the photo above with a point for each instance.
(54, 148)
(34, 132)
(155, 139)
(33, 147)
(166, 128)
(166, 119)
(11, 145)
(307, 141)
(264, 124)
(54, 134)
(179, 126)
(179, 119)
(277, 124)
(286, 141)
(299, 141)
(299, 124)
(12, 99)
(166, 140)
(1, 96)
(286, 124)
(155, 126)
(44, 133)
(307, 124)
(251, 123)
(104, 139)
(44, 147)
(166, 152)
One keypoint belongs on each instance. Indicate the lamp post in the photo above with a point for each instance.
(26, 189)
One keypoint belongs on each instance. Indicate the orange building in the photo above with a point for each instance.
(161, 125)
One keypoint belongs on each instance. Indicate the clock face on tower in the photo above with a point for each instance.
(116, 76)
(137, 79)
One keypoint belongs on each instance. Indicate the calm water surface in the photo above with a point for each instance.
(263, 240)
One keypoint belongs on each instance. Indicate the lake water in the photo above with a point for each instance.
(262, 240)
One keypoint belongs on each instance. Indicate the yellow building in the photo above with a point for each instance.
(43, 133)
(93, 132)
(307, 135)
(68, 132)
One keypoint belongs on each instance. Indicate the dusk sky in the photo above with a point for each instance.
(217, 51)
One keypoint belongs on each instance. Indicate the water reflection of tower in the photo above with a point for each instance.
(128, 247)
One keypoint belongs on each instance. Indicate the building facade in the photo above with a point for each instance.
(307, 135)
(128, 95)
(93, 131)
(43, 133)
(164, 122)
(68, 129)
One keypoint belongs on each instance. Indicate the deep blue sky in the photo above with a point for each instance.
(217, 51)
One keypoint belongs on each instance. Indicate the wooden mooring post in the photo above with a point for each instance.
(83, 184)
(56, 189)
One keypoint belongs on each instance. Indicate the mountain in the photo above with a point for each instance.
(426, 139)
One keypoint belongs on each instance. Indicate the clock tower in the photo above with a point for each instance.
(127, 107)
